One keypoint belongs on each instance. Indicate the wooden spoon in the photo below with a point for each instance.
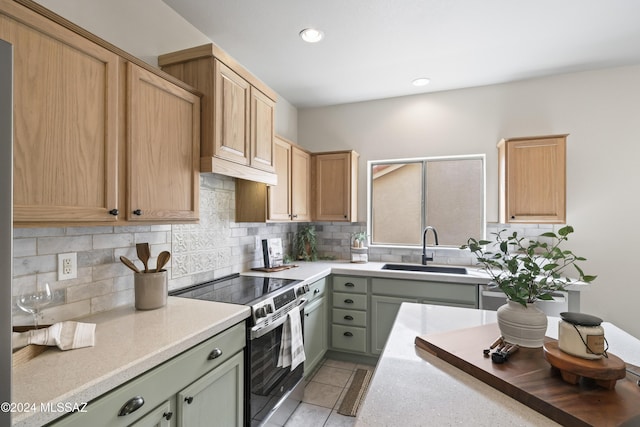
(163, 259)
(126, 261)
(144, 253)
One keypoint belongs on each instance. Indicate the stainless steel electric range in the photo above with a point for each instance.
(270, 390)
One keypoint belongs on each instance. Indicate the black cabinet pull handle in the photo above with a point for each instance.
(214, 354)
(137, 212)
(348, 334)
(306, 314)
(349, 285)
(188, 400)
(294, 216)
(114, 212)
(131, 406)
(347, 317)
(348, 301)
(167, 415)
(513, 217)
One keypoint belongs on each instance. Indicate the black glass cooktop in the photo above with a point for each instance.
(235, 289)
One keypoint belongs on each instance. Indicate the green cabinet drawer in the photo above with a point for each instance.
(356, 285)
(350, 338)
(350, 301)
(349, 317)
(316, 289)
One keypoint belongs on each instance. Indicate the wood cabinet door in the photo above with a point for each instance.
(232, 115)
(216, 398)
(280, 195)
(535, 180)
(163, 149)
(333, 174)
(300, 185)
(262, 130)
(65, 135)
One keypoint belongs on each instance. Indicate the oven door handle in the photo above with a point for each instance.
(258, 331)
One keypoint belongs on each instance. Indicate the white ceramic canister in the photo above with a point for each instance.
(581, 335)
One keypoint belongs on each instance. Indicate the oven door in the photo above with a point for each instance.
(270, 385)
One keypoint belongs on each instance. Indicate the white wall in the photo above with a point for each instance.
(598, 109)
(146, 29)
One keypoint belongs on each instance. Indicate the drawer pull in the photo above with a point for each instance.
(347, 317)
(114, 212)
(131, 406)
(189, 400)
(349, 285)
(167, 415)
(316, 291)
(348, 334)
(215, 354)
(348, 301)
(137, 212)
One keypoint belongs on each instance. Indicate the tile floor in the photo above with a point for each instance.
(323, 395)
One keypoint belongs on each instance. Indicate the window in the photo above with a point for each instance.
(404, 196)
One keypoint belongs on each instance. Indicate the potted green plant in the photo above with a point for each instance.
(305, 243)
(526, 271)
(359, 239)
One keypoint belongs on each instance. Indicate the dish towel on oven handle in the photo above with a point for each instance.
(291, 344)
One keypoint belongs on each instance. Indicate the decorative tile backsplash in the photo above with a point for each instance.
(215, 247)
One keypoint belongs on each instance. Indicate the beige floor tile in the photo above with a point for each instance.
(307, 415)
(340, 364)
(332, 376)
(324, 395)
(337, 420)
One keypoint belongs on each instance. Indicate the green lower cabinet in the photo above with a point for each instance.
(162, 416)
(315, 334)
(216, 398)
(383, 314)
(349, 338)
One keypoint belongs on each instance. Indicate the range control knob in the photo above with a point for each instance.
(303, 290)
(261, 312)
(269, 308)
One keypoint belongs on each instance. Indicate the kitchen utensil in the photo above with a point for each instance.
(144, 253)
(163, 259)
(126, 261)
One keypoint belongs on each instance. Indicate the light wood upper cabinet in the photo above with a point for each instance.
(232, 112)
(290, 200)
(532, 176)
(98, 135)
(262, 130)
(237, 113)
(65, 135)
(163, 149)
(336, 186)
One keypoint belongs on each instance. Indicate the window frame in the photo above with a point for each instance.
(423, 160)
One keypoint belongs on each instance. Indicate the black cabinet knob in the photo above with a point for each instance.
(137, 212)
(114, 212)
(167, 415)
(188, 400)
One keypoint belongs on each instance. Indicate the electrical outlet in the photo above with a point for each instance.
(67, 266)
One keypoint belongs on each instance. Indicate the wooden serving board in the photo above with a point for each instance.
(271, 270)
(528, 378)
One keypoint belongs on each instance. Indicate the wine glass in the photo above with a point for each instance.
(33, 302)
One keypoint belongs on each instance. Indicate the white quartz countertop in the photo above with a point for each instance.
(128, 343)
(312, 271)
(412, 387)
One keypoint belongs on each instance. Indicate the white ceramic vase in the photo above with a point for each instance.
(525, 326)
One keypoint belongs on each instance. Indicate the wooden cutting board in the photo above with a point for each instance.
(271, 270)
(528, 378)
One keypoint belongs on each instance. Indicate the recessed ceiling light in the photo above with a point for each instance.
(422, 81)
(311, 35)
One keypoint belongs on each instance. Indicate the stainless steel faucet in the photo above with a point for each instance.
(424, 243)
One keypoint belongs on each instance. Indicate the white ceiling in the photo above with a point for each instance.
(374, 48)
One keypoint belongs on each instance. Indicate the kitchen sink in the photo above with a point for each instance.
(425, 268)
